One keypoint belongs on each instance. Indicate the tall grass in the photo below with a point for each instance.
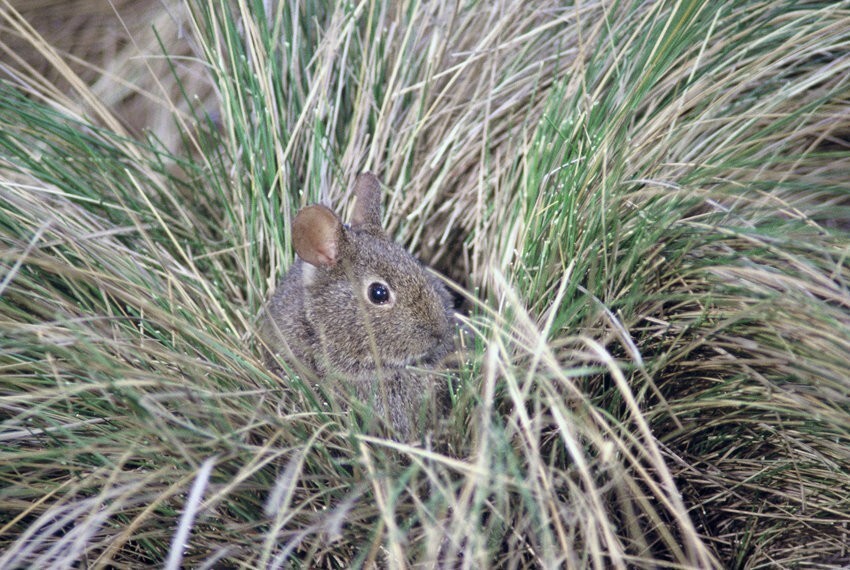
(645, 202)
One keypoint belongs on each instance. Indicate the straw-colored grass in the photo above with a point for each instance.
(645, 202)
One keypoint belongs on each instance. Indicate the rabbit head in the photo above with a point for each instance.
(370, 303)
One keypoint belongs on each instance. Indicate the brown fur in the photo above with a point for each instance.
(321, 322)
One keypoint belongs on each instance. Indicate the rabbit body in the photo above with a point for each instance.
(358, 308)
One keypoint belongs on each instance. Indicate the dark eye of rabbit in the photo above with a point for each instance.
(379, 294)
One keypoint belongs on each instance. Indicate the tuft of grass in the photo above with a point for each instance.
(645, 202)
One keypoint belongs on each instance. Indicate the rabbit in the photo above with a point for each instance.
(357, 308)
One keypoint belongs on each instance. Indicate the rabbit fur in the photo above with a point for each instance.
(356, 307)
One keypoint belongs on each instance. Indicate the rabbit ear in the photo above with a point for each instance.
(316, 233)
(367, 208)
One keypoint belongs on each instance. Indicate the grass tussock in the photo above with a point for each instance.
(646, 202)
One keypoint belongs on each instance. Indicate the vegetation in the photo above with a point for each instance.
(646, 203)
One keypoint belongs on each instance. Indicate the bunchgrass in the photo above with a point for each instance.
(644, 203)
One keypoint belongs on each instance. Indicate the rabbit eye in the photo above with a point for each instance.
(378, 293)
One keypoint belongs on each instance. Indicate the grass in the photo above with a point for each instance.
(646, 203)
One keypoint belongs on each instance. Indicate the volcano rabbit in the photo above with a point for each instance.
(357, 309)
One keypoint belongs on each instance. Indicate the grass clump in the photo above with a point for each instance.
(646, 201)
